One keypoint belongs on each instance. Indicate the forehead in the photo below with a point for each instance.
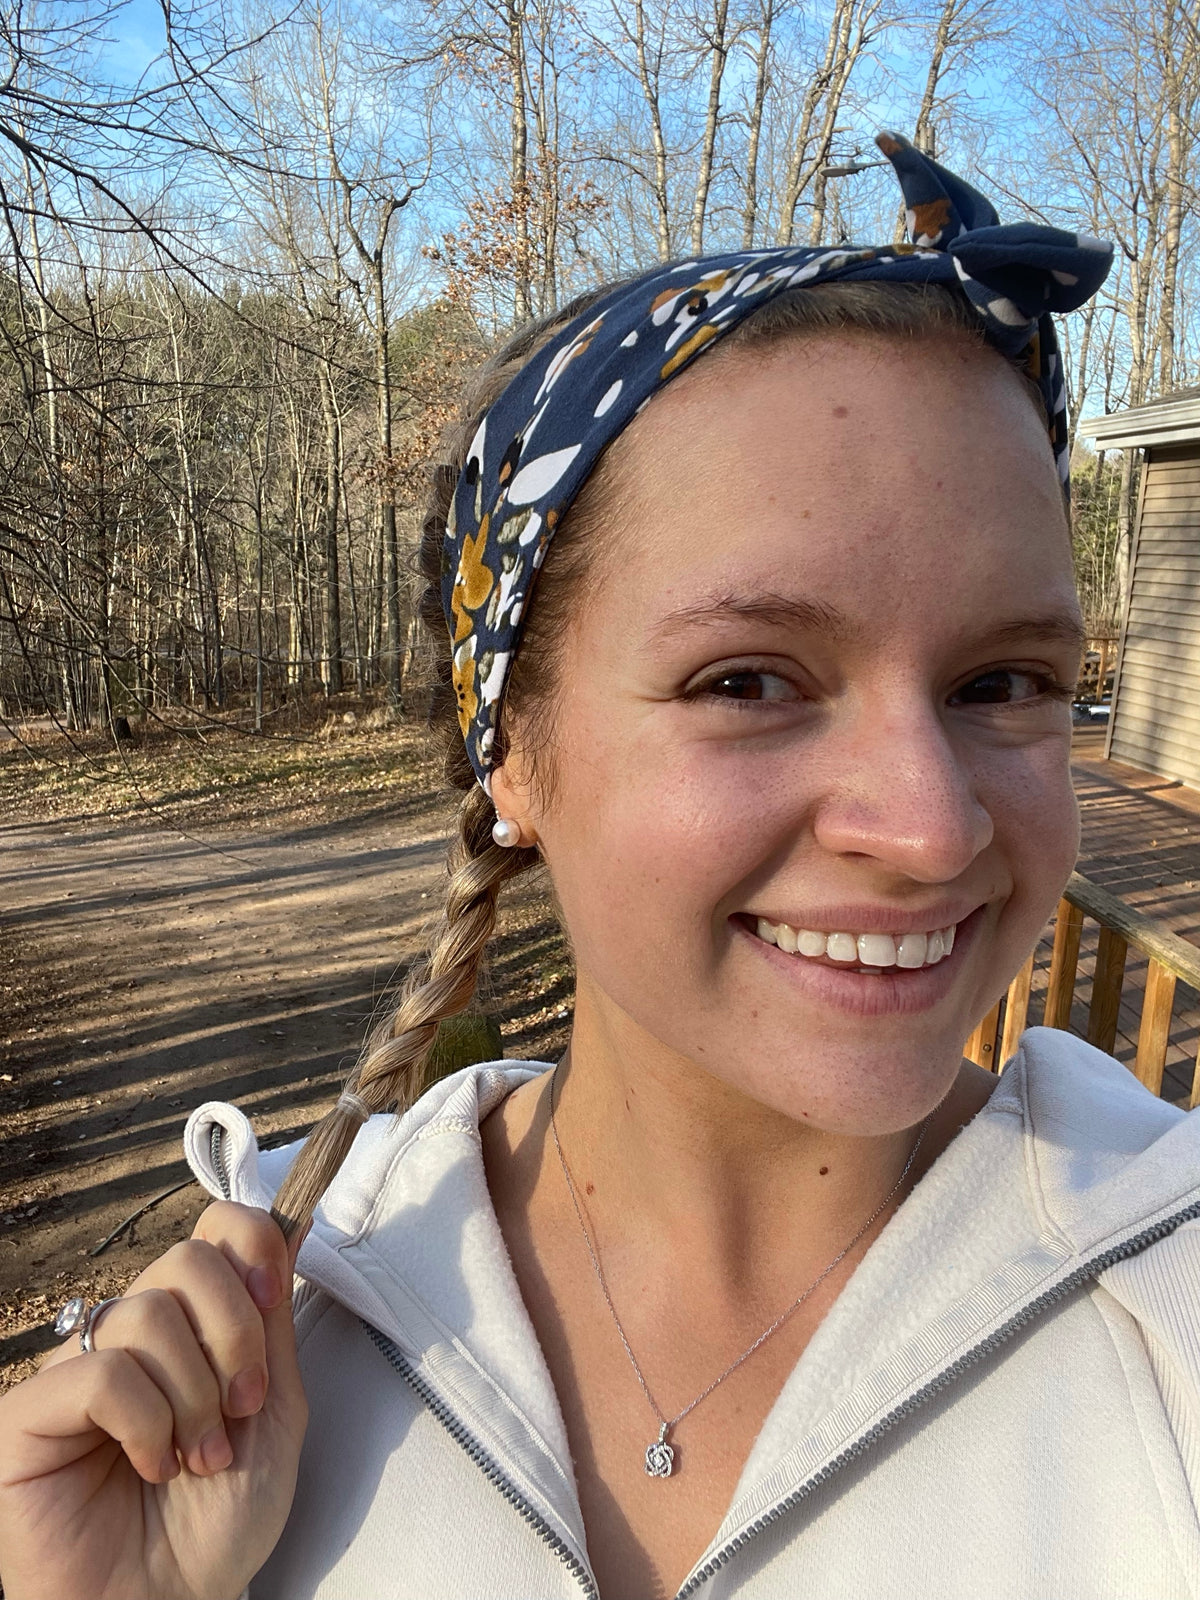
(874, 477)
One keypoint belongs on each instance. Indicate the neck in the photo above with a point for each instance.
(665, 1154)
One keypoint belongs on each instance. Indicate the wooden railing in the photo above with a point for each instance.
(1099, 659)
(1170, 959)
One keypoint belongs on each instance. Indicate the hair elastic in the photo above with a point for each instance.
(353, 1105)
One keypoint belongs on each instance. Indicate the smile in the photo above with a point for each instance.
(863, 952)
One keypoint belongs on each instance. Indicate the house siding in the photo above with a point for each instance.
(1156, 706)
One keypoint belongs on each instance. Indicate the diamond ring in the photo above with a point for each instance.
(78, 1317)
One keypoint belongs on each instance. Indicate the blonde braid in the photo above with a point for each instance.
(392, 1070)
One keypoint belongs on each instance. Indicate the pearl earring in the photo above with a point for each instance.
(506, 833)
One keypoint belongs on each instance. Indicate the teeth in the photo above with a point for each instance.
(877, 950)
(873, 951)
(911, 950)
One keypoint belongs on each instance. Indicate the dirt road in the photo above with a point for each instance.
(147, 973)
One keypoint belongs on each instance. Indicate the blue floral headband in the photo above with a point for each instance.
(539, 441)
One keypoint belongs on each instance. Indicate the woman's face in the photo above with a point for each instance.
(821, 681)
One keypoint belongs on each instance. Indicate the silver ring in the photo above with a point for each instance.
(90, 1321)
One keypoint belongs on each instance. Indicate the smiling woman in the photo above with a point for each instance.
(752, 586)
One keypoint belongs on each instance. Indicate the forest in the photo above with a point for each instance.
(248, 254)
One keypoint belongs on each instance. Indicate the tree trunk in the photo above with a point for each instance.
(331, 515)
(762, 82)
(1179, 90)
(649, 78)
(845, 55)
(804, 161)
(718, 53)
(523, 297)
(387, 521)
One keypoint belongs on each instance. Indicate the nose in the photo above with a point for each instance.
(897, 791)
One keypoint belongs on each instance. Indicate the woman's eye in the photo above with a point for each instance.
(749, 685)
(1006, 686)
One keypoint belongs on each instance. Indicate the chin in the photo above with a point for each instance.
(853, 1089)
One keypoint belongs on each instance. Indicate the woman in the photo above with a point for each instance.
(763, 1290)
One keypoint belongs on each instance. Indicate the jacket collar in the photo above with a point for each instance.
(1070, 1158)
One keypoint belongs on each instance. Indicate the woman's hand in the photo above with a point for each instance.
(162, 1464)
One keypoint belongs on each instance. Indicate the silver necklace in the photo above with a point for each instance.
(660, 1455)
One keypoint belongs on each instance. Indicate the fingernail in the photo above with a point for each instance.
(216, 1452)
(169, 1467)
(247, 1391)
(265, 1288)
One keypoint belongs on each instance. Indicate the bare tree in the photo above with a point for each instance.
(763, 29)
(715, 31)
(853, 26)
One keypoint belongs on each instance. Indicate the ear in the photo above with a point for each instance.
(512, 795)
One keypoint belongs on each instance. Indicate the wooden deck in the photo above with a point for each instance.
(1141, 840)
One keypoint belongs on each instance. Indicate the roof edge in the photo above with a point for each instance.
(1176, 422)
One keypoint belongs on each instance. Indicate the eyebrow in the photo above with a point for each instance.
(1059, 626)
(774, 610)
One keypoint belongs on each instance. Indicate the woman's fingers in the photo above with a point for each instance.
(253, 1243)
(66, 1411)
(209, 1325)
(226, 1324)
(154, 1328)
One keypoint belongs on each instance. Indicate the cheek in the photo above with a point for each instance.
(653, 840)
(653, 858)
(1031, 800)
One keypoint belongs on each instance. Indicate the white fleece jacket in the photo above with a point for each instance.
(1003, 1404)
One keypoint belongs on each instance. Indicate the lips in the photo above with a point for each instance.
(864, 991)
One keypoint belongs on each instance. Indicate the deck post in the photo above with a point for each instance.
(1063, 962)
(1106, 989)
(1154, 1033)
(1016, 1013)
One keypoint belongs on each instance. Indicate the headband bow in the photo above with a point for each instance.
(539, 441)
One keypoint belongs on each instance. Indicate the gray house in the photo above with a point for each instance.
(1155, 720)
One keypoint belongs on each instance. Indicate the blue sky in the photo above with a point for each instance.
(137, 37)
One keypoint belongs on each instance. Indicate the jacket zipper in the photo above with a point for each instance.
(216, 1152)
(461, 1435)
(453, 1426)
(491, 1470)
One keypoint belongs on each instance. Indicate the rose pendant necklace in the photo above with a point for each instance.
(660, 1454)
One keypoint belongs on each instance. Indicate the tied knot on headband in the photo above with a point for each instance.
(540, 439)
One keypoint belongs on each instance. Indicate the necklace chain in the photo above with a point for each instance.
(660, 1456)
